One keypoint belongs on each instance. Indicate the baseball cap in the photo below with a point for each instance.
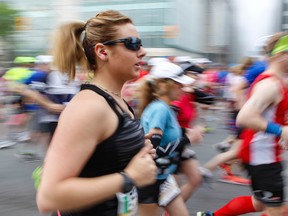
(257, 49)
(24, 60)
(44, 59)
(281, 45)
(188, 59)
(170, 71)
(182, 59)
(156, 60)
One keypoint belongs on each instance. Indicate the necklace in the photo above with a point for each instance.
(111, 92)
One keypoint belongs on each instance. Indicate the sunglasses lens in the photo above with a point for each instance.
(133, 43)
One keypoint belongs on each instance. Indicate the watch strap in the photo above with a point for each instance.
(128, 182)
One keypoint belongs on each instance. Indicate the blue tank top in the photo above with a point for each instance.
(112, 155)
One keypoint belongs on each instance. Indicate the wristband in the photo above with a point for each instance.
(274, 128)
(128, 183)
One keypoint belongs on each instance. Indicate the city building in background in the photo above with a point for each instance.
(252, 21)
(285, 15)
(220, 30)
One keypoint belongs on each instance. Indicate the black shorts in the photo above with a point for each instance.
(149, 194)
(52, 127)
(235, 130)
(44, 127)
(187, 153)
(267, 183)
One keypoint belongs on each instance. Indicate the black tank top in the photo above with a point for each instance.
(113, 154)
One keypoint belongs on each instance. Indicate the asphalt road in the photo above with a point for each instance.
(17, 194)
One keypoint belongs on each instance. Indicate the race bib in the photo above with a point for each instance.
(127, 203)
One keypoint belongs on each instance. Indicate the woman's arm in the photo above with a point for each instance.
(264, 94)
(38, 98)
(84, 123)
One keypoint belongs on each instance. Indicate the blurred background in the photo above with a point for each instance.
(221, 30)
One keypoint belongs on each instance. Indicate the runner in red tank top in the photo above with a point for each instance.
(263, 118)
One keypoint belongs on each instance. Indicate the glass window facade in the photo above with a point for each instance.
(147, 15)
(285, 15)
(41, 18)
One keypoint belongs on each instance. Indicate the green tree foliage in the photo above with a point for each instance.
(7, 19)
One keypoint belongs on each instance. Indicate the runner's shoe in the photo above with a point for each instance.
(207, 213)
(207, 176)
(222, 146)
(36, 176)
(28, 156)
(206, 173)
(6, 144)
(226, 168)
(232, 179)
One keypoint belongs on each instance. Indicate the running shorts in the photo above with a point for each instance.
(267, 183)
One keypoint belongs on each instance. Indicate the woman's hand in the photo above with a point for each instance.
(142, 168)
(148, 144)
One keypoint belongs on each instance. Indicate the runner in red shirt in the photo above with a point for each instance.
(265, 135)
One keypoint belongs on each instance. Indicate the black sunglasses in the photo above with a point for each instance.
(131, 43)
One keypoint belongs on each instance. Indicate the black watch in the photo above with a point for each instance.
(128, 183)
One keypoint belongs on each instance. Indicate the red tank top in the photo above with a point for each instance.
(259, 147)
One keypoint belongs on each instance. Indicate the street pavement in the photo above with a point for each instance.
(17, 193)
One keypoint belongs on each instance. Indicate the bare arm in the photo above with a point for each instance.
(43, 101)
(74, 141)
(265, 94)
(23, 90)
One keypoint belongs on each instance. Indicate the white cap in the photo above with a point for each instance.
(200, 60)
(154, 61)
(170, 71)
(185, 59)
(44, 59)
(257, 50)
(182, 59)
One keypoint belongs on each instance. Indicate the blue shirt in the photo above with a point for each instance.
(159, 115)
(37, 76)
(254, 70)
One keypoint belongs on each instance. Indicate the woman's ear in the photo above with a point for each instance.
(101, 52)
